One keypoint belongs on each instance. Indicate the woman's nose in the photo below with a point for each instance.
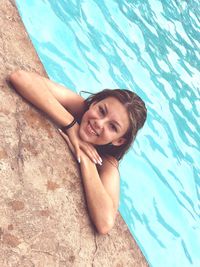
(99, 123)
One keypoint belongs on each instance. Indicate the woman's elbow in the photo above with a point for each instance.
(106, 226)
(17, 77)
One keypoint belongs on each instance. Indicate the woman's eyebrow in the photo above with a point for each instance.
(106, 111)
(105, 107)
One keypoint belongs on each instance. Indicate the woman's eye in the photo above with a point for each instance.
(101, 110)
(113, 127)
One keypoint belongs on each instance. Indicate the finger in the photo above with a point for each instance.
(61, 133)
(86, 149)
(76, 149)
(78, 153)
(91, 153)
(98, 157)
(67, 141)
(65, 137)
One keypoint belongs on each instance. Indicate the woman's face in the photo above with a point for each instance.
(105, 121)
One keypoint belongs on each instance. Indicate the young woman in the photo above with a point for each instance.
(98, 130)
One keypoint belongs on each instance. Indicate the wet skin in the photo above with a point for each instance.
(105, 121)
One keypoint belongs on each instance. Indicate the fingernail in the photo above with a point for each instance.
(95, 161)
(100, 163)
(59, 130)
(79, 160)
(100, 159)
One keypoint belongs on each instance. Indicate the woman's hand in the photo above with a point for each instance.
(77, 146)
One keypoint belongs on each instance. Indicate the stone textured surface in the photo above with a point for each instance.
(43, 215)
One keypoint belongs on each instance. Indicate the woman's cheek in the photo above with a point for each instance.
(107, 137)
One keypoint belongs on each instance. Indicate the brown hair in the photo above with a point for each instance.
(137, 115)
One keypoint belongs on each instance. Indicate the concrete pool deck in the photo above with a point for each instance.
(43, 214)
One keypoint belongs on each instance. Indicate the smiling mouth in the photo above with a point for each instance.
(91, 130)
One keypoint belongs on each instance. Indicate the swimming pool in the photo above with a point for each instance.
(152, 47)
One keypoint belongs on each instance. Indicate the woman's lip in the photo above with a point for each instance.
(90, 129)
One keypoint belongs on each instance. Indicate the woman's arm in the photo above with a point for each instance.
(101, 188)
(57, 102)
(102, 192)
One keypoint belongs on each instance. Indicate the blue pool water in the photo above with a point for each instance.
(152, 47)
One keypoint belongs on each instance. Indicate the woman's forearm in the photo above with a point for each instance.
(99, 202)
(36, 91)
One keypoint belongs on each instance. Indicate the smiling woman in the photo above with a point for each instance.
(109, 122)
(102, 125)
(128, 112)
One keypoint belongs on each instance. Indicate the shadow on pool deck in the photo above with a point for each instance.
(43, 215)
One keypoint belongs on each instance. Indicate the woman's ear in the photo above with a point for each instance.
(120, 141)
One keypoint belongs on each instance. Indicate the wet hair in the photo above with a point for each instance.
(137, 113)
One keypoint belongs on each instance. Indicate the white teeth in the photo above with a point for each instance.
(91, 130)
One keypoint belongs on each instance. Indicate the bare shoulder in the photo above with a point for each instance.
(110, 164)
